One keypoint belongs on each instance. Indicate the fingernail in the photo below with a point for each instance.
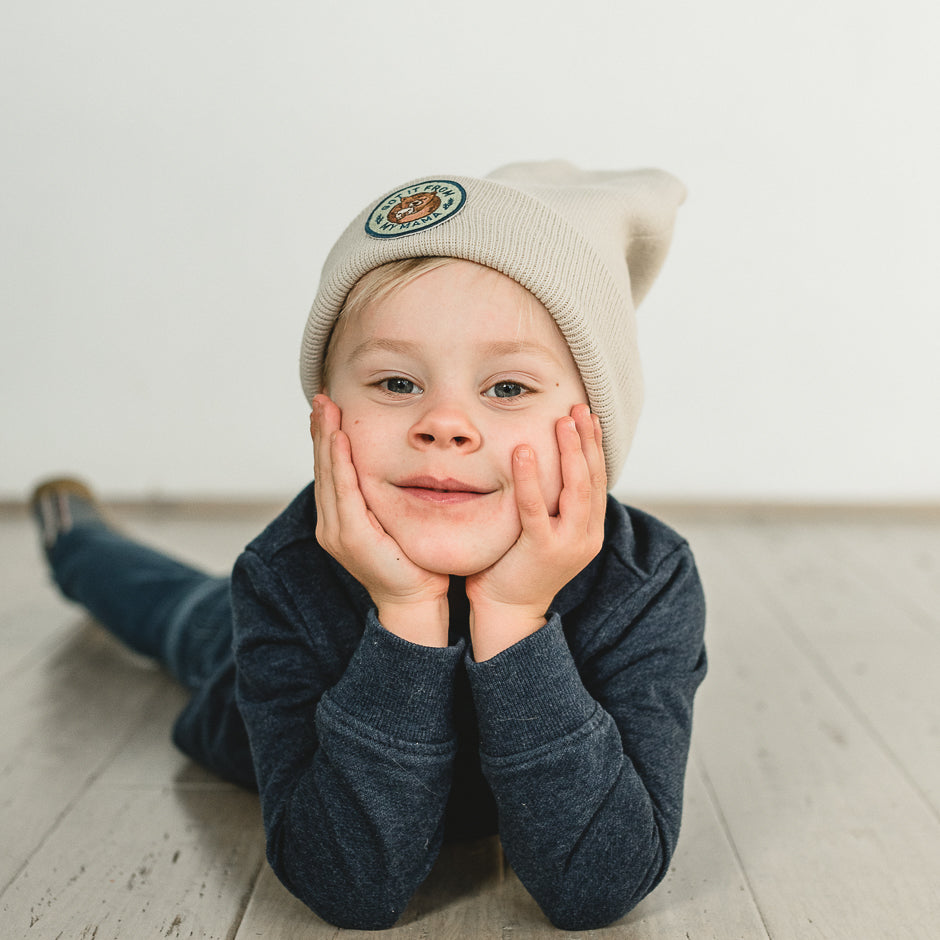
(523, 453)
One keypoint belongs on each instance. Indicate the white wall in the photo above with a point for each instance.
(173, 174)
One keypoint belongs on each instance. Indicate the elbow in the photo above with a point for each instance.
(354, 907)
(587, 913)
(367, 898)
(597, 897)
(353, 890)
(350, 913)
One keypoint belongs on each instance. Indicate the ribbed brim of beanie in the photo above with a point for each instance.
(587, 244)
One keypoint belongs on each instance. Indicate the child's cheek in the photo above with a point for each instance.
(365, 444)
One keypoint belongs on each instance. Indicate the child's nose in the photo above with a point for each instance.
(445, 426)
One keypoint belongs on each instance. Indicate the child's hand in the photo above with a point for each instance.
(509, 600)
(411, 602)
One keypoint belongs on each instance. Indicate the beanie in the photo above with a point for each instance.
(587, 244)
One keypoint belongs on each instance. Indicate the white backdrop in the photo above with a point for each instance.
(174, 173)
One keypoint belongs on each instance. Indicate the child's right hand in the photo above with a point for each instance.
(411, 602)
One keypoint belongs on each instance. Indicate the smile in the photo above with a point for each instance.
(442, 492)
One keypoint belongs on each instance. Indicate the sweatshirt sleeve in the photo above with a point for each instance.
(587, 765)
(353, 761)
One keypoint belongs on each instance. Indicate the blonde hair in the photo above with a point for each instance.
(374, 286)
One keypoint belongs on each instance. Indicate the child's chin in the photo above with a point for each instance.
(459, 570)
(462, 563)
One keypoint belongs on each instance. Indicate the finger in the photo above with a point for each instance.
(598, 470)
(328, 416)
(574, 503)
(324, 422)
(589, 430)
(325, 419)
(592, 445)
(530, 503)
(581, 415)
(351, 511)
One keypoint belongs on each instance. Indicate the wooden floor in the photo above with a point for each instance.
(813, 793)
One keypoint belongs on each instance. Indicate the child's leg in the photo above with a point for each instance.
(156, 605)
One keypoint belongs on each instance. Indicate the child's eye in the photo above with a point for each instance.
(398, 385)
(505, 390)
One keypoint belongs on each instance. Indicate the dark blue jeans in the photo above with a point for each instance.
(158, 606)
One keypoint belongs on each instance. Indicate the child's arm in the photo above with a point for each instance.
(584, 737)
(351, 737)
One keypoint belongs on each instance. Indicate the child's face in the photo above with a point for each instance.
(438, 384)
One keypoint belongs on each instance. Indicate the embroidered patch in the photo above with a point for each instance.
(415, 208)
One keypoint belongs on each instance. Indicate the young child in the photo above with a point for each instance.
(454, 631)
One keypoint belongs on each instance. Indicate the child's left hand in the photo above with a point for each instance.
(508, 600)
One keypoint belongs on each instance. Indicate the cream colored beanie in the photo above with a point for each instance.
(588, 245)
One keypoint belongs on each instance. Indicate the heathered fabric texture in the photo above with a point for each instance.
(587, 244)
(369, 750)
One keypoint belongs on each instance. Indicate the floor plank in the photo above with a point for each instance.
(150, 846)
(903, 559)
(833, 838)
(62, 725)
(879, 655)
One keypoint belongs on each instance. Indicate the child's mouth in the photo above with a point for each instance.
(441, 491)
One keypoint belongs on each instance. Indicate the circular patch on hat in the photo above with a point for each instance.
(415, 208)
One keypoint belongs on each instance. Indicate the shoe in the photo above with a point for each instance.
(61, 504)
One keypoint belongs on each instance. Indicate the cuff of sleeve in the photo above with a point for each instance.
(530, 694)
(399, 688)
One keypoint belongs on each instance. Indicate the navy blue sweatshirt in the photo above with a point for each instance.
(368, 750)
